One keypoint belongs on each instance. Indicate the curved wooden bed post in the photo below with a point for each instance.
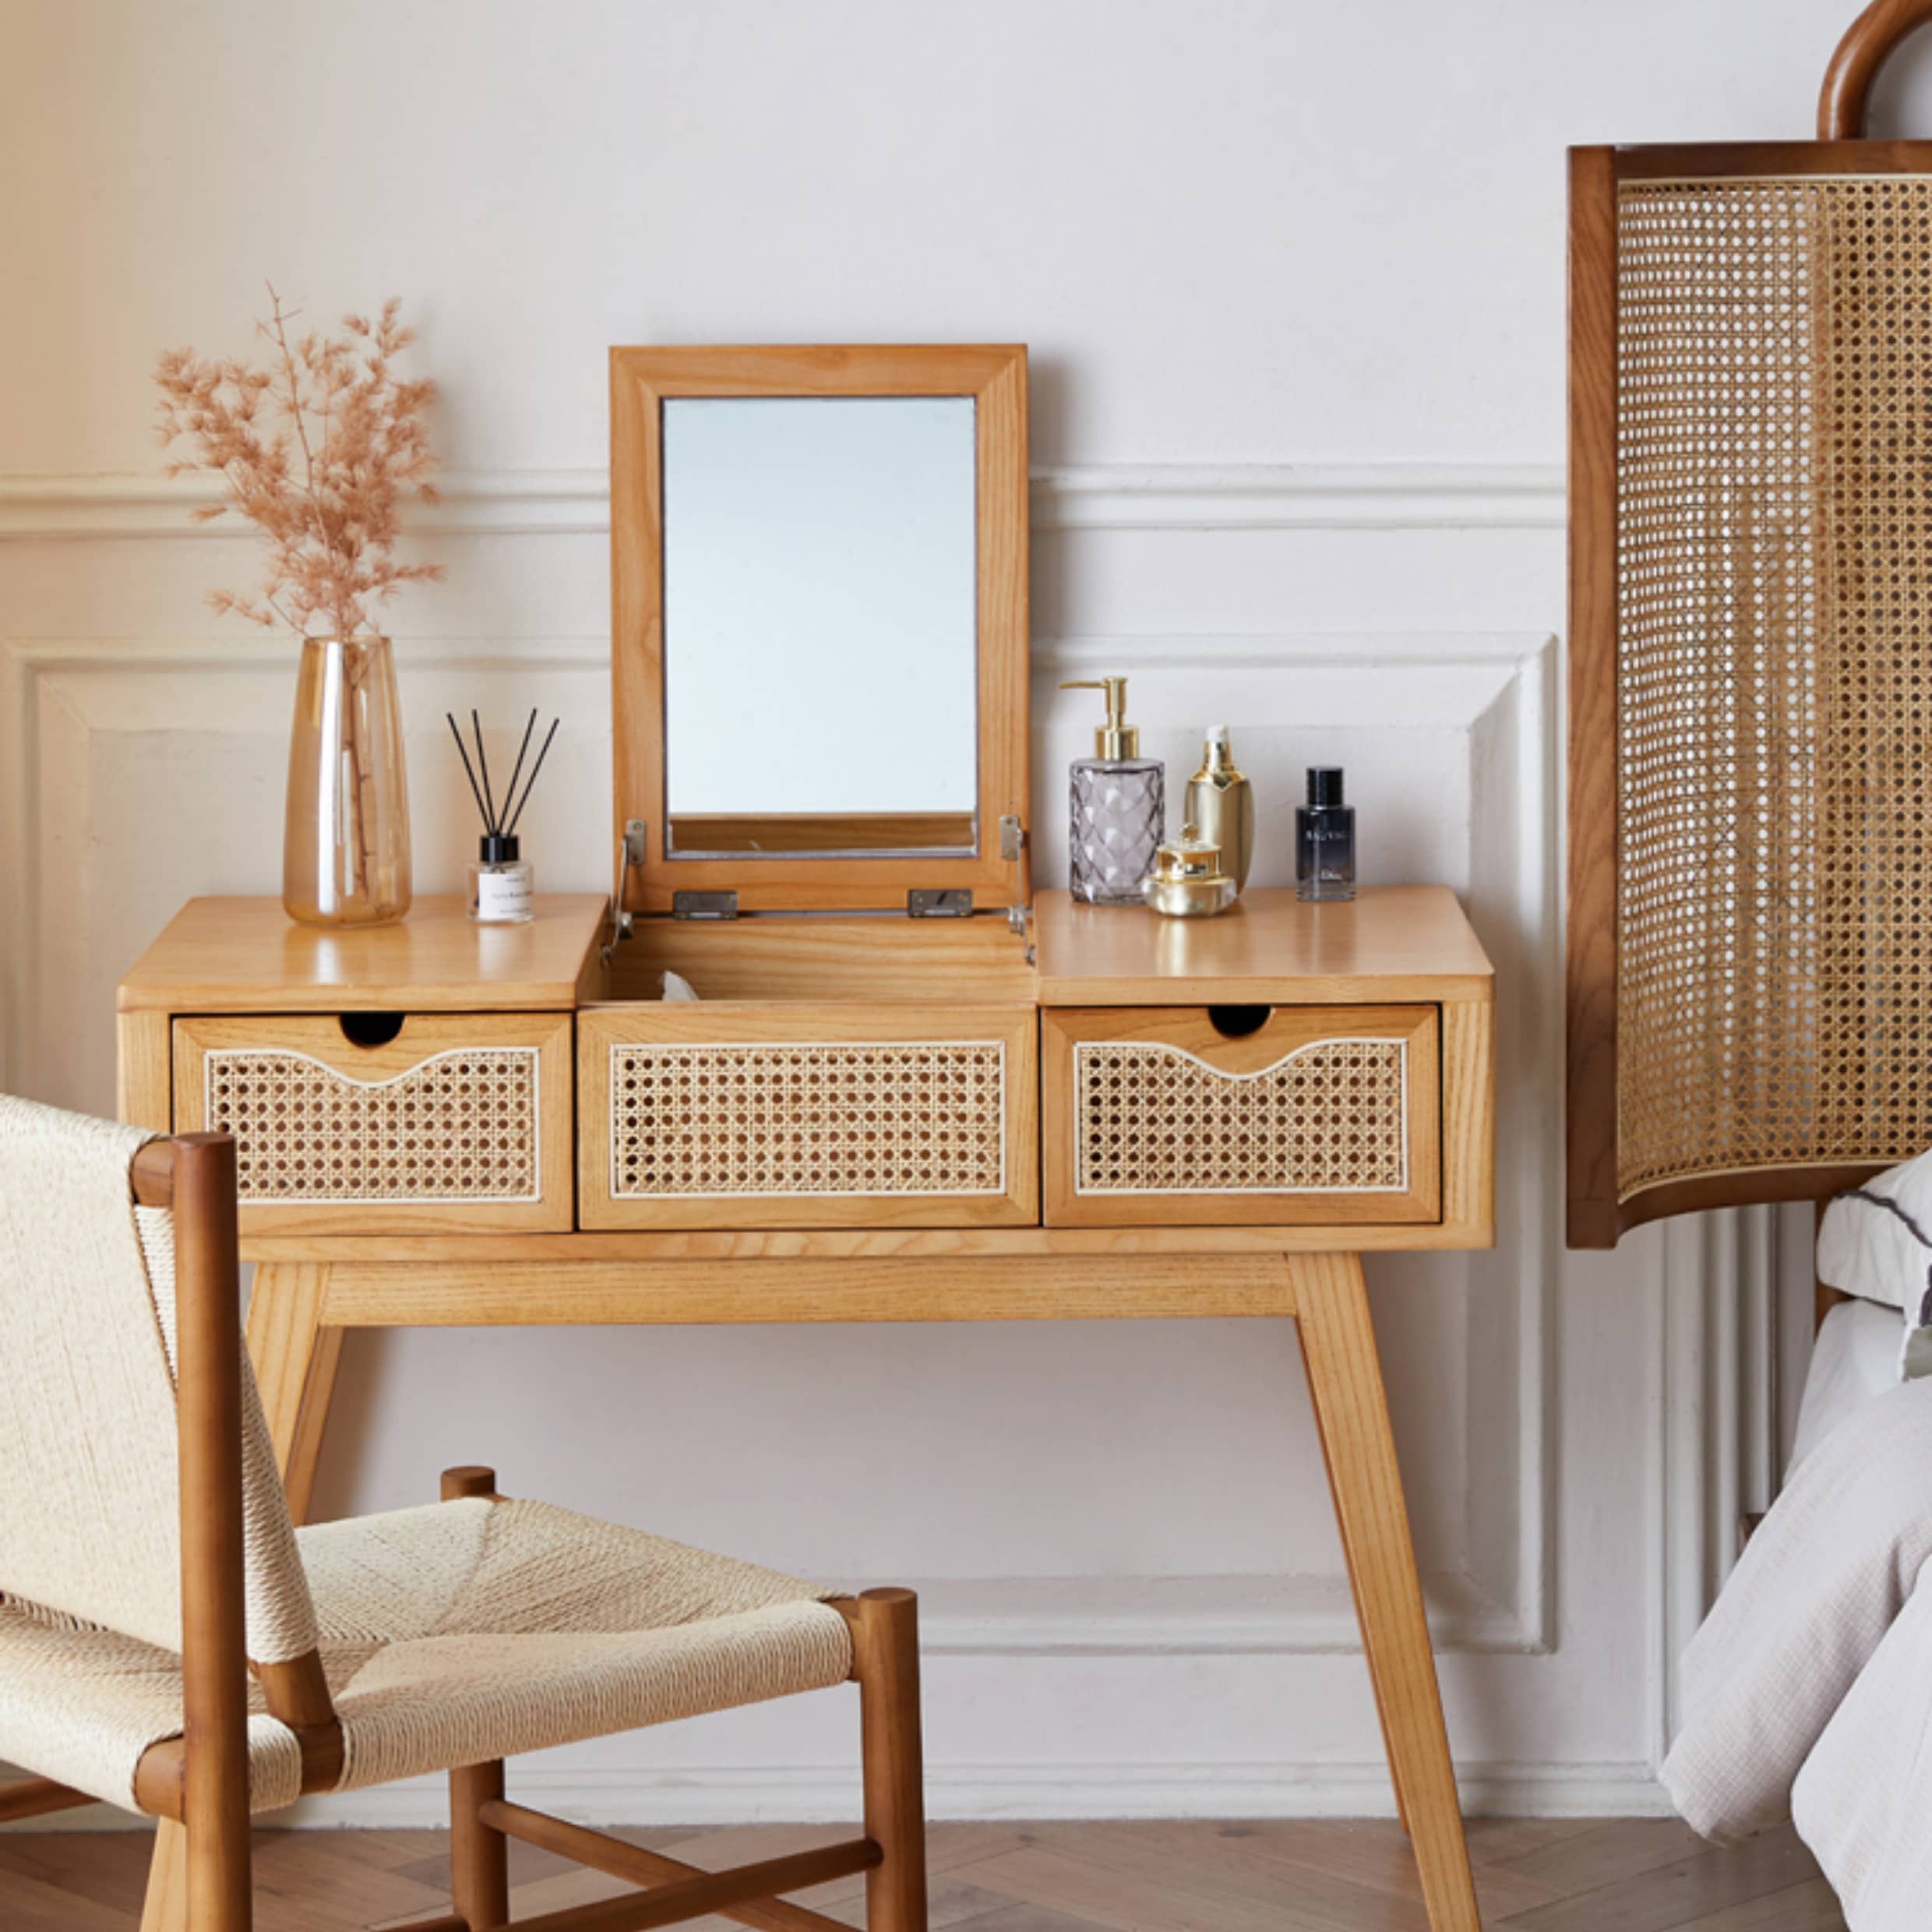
(1868, 42)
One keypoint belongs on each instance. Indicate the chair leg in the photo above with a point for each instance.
(479, 1858)
(887, 1645)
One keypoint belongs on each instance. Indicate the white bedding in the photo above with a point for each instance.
(1811, 1599)
(1855, 1358)
(1863, 1797)
(1808, 1691)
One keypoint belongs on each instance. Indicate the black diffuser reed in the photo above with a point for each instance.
(500, 885)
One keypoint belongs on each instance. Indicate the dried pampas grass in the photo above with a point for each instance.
(318, 451)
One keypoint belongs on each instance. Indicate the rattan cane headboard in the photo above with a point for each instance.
(1750, 640)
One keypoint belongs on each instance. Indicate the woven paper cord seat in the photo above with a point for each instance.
(450, 1634)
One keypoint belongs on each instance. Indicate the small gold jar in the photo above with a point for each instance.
(1187, 882)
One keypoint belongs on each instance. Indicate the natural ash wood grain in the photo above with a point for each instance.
(1259, 1875)
(905, 1244)
(1468, 1123)
(840, 962)
(144, 1077)
(247, 956)
(550, 1126)
(1390, 943)
(711, 834)
(295, 1354)
(641, 379)
(1344, 1380)
(1286, 1030)
(788, 1289)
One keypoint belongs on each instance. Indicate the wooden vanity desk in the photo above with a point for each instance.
(1023, 1108)
(233, 994)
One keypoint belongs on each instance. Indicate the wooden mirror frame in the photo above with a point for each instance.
(995, 376)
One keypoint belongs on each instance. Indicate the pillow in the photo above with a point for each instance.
(1876, 1243)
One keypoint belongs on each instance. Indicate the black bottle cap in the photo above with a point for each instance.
(1324, 784)
(498, 848)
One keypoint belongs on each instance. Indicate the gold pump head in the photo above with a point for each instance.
(1116, 738)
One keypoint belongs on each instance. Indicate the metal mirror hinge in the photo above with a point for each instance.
(1013, 850)
(630, 856)
(949, 903)
(704, 905)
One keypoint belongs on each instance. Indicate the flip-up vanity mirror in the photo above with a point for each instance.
(820, 595)
(819, 651)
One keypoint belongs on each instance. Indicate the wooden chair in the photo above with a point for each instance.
(171, 1643)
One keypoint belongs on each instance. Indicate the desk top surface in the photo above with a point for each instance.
(1392, 942)
(247, 956)
(1270, 948)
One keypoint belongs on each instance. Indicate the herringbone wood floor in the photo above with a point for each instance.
(1535, 1875)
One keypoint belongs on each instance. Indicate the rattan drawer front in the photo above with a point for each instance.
(725, 1115)
(458, 1123)
(1283, 1116)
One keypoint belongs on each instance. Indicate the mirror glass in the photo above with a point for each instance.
(820, 625)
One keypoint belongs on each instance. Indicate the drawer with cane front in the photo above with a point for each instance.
(769, 1115)
(1241, 1113)
(385, 1123)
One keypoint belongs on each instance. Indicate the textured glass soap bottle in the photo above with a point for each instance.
(1116, 807)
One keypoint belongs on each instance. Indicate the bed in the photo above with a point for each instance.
(1807, 1692)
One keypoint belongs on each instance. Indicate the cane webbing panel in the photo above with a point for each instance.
(1774, 674)
(1330, 1117)
(910, 1117)
(461, 1126)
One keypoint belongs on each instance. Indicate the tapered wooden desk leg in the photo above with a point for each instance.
(295, 1354)
(1344, 1378)
(1375, 1676)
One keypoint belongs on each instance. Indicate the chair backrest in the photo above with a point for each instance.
(91, 1512)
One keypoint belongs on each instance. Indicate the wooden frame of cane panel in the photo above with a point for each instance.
(1750, 939)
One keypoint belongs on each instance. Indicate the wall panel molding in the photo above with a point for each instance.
(1114, 496)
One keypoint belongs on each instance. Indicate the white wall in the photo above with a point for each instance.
(1292, 278)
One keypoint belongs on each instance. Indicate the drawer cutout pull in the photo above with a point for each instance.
(370, 1029)
(1237, 1023)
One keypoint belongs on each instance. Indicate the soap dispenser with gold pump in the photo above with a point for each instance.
(1116, 807)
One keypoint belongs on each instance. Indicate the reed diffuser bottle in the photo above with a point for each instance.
(502, 885)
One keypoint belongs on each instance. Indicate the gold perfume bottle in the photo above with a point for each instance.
(1220, 802)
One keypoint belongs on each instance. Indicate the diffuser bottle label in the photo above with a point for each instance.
(500, 895)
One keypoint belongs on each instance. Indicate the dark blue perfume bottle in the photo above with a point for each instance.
(1324, 839)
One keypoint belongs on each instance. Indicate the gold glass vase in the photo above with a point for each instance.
(345, 840)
